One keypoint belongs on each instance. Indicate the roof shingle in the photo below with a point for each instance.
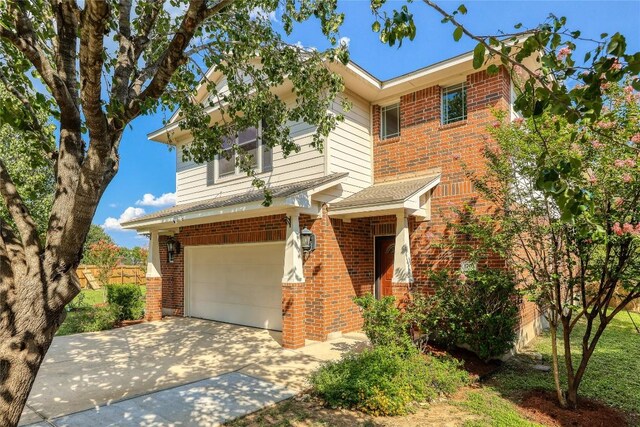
(385, 193)
(237, 199)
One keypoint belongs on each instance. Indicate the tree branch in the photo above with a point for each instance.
(174, 55)
(26, 42)
(19, 213)
(93, 25)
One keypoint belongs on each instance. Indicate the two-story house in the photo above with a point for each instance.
(373, 201)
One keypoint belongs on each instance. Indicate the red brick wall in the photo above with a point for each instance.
(425, 146)
(339, 269)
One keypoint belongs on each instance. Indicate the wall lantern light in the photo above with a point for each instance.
(307, 240)
(173, 248)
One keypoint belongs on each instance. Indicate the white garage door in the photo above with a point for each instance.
(236, 283)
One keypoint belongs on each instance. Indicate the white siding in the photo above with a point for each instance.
(348, 149)
(191, 178)
(350, 145)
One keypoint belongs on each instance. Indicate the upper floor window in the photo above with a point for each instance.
(390, 121)
(454, 104)
(250, 142)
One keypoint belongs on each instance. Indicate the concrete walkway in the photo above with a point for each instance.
(174, 372)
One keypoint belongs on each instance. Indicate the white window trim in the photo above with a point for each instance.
(382, 111)
(446, 89)
(237, 174)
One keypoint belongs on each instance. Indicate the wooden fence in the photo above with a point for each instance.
(88, 275)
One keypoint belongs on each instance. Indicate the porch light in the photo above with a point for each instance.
(173, 248)
(307, 240)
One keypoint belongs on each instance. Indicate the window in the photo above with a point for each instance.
(390, 121)
(454, 104)
(248, 140)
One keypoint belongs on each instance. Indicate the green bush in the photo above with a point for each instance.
(128, 298)
(89, 319)
(480, 310)
(384, 323)
(381, 381)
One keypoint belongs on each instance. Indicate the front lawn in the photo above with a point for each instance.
(612, 378)
(613, 374)
(89, 312)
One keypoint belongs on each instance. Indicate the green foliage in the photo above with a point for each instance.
(384, 323)
(129, 300)
(89, 319)
(31, 173)
(381, 381)
(95, 235)
(105, 256)
(479, 309)
(134, 256)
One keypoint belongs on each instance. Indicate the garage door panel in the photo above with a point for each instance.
(236, 283)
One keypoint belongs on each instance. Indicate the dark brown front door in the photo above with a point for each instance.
(385, 247)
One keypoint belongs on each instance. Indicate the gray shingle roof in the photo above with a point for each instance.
(385, 193)
(252, 195)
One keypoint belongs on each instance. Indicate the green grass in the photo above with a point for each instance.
(495, 410)
(612, 374)
(84, 316)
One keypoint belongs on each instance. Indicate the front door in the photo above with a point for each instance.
(385, 248)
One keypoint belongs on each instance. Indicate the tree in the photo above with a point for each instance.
(95, 235)
(102, 64)
(580, 268)
(105, 256)
(135, 256)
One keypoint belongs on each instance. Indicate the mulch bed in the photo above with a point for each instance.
(471, 363)
(542, 407)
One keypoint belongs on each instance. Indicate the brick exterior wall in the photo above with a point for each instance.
(425, 146)
(343, 264)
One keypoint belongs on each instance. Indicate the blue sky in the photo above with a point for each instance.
(149, 168)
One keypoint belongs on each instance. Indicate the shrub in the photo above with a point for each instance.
(384, 323)
(381, 381)
(479, 309)
(89, 319)
(128, 298)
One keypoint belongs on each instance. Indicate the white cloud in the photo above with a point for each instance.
(344, 41)
(260, 13)
(115, 224)
(167, 199)
(113, 205)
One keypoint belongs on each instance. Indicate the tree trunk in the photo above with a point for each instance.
(23, 346)
(556, 372)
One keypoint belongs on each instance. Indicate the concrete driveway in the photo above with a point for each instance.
(177, 371)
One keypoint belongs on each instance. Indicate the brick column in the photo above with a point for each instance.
(293, 312)
(153, 309)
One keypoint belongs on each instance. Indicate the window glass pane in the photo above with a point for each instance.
(390, 121)
(454, 104)
(247, 135)
(267, 159)
(226, 161)
(251, 148)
